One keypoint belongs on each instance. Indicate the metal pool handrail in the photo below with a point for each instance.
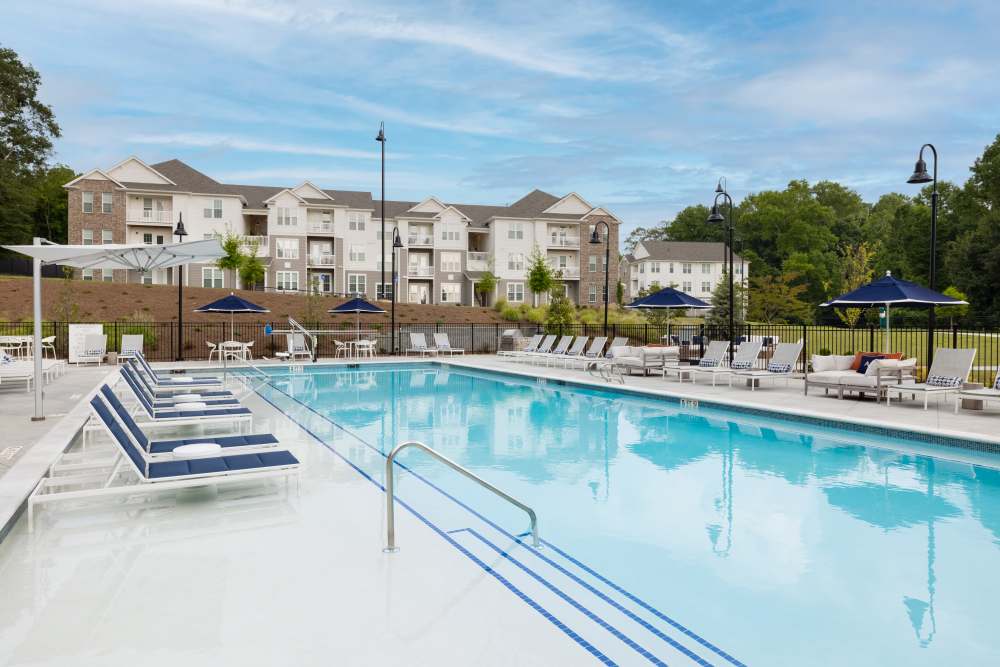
(390, 514)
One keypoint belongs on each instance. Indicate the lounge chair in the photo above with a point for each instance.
(616, 345)
(166, 380)
(159, 447)
(743, 360)
(543, 348)
(949, 371)
(714, 355)
(986, 394)
(131, 344)
(781, 365)
(559, 350)
(169, 390)
(95, 346)
(24, 371)
(194, 412)
(154, 475)
(418, 344)
(170, 402)
(443, 345)
(531, 346)
(575, 352)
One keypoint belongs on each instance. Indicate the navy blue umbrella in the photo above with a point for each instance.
(231, 304)
(888, 291)
(668, 298)
(356, 306)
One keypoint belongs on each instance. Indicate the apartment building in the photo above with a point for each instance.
(329, 241)
(692, 267)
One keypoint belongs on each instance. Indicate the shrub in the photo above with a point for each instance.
(140, 324)
(824, 352)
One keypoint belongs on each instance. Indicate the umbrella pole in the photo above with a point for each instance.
(888, 337)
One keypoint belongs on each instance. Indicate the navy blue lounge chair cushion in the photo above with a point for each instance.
(251, 440)
(210, 412)
(219, 464)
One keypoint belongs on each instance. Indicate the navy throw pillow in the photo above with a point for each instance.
(866, 360)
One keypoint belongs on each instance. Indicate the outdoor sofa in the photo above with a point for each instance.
(862, 374)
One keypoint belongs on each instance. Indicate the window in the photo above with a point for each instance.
(285, 217)
(88, 237)
(592, 263)
(642, 267)
(357, 283)
(451, 293)
(706, 267)
(287, 280)
(561, 262)
(212, 277)
(108, 276)
(383, 291)
(287, 248)
(325, 219)
(592, 294)
(515, 292)
(147, 278)
(356, 222)
(106, 202)
(322, 283)
(147, 239)
(515, 261)
(357, 253)
(706, 287)
(159, 239)
(654, 267)
(738, 269)
(685, 267)
(515, 231)
(214, 210)
(147, 207)
(686, 287)
(449, 234)
(87, 274)
(88, 203)
(671, 267)
(107, 236)
(451, 262)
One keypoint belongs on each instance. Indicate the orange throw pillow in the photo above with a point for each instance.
(856, 364)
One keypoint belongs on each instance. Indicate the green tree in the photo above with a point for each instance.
(252, 268)
(540, 274)
(486, 286)
(50, 210)
(857, 271)
(560, 311)
(233, 259)
(27, 129)
(620, 293)
(718, 316)
(953, 313)
(777, 299)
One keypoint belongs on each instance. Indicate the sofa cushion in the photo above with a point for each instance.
(855, 379)
(843, 361)
(824, 363)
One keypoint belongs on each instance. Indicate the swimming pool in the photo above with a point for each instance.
(768, 541)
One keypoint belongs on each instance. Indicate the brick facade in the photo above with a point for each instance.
(587, 278)
(97, 221)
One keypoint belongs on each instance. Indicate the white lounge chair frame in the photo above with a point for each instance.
(784, 354)
(716, 351)
(748, 352)
(948, 362)
(443, 345)
(986, 394)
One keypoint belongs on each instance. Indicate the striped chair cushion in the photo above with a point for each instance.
(943, 381)
(742, 365)
(996, 383)
(93, 353)
(774, 367)
(6, 358)
(708, 363)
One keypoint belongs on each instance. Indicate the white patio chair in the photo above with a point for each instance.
(130, 345)
(443, 345)
(95, 346)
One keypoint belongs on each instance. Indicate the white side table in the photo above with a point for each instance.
(197, 450)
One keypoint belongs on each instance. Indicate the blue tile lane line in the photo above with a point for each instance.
(498, 528)
(604, 624)
(496, 575)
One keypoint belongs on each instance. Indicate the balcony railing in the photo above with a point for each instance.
(420, 239)
(477, 261)
(321, 259)
(560, 241)
(146, 216)
(321, 228)
(420, 271)
(260, 241)
(567, 271)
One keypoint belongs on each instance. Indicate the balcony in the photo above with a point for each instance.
(321, 228)
(324, 259)
(568, 272)
(417, 271)
(147, 216)
(560, 241)
(420, 239)
(477, 261)
(260, 241)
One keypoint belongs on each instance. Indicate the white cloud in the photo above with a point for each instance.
(250, 145)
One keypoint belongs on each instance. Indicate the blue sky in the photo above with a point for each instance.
(639, 107)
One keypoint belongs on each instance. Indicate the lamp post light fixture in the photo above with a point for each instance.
(920, 176)
(381, 139)
(595, 239)
(716, 216)
(180, 233)
(397, 244)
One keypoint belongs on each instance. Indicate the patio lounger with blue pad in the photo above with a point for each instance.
(152, 475)
(543, 348)
(985, 394)
(574, 353)
(193, 412)
(592, 352)
(558, 350)
(153, 447)
(781, 365)
(948, 373)
(714, 355)
(743, 360)
(169, 402)
(530, 347)
(186, 388)
(167, 380)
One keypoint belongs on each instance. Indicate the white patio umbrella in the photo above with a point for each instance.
(137, 257)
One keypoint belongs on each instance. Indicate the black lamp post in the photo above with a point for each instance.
(921, 176)
(595, 239)
(716, 216)
(397, 244)
(180, 233)
(381, 139)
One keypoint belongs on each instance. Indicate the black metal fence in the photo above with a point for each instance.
(160, 338)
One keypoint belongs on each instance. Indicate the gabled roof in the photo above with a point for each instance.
(308, 191)
(143, 167)
(89, 175)
(187, 178)
(686, 251)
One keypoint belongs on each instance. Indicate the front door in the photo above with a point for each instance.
(419, 293)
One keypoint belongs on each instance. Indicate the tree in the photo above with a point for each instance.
(560, 312)
(540, 274)
(857, 271)
(486, 286)
(252, 269)
(233, 259)
(27, 128)
(51, 204)
(953, 312)
(776, 299)
(620, 293)
(718, 316)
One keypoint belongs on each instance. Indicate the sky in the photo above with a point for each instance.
(639, 107)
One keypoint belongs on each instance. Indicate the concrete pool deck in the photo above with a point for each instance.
(276, 574)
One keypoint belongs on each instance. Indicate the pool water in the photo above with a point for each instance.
(780, 541)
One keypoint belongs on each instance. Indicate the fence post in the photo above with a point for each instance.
(701, 341)
(805, 348)
(954, 335)
(871, 337)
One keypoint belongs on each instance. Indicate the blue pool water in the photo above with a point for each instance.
(780, 541)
